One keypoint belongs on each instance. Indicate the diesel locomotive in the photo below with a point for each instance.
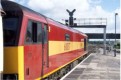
(37, 47)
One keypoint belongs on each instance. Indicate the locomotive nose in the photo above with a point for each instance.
(13, 63)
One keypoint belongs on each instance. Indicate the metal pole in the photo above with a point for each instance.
(115, 36)
(104, 51)
(1, 42)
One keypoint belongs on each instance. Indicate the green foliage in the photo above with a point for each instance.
(117, 46)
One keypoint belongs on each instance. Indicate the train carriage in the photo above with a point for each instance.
(36, 46)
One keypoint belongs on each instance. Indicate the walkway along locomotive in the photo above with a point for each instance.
(36, 46)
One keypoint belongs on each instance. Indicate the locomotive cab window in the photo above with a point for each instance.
(34, 32)
(29, 33)
(39, 32)
(67, 37)
(11, 28)
(45, 33)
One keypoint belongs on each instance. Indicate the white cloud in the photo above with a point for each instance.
(40, 4)
(12, 0)
(94, 1)
(22, 2)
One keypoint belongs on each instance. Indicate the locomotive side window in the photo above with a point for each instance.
(29, 33)
(34, 32)
(45, 33)
(39, 32)
(67, 37)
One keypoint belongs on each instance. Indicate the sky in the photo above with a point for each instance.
(56, 9)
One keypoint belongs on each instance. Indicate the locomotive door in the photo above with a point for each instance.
(45, 55)
(85, 44)
(35, 50)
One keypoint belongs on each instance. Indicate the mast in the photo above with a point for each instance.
(1, 40)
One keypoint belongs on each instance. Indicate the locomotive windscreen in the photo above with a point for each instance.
(9, 29)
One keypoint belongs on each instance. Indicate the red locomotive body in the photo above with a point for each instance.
(35, 46)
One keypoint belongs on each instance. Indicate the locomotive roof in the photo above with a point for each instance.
(20, 8)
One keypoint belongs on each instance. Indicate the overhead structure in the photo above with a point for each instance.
(100, 35)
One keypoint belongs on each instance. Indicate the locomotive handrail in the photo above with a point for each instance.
(2, 12)
(47, 44)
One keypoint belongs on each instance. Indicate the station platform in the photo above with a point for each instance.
(96, 66)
